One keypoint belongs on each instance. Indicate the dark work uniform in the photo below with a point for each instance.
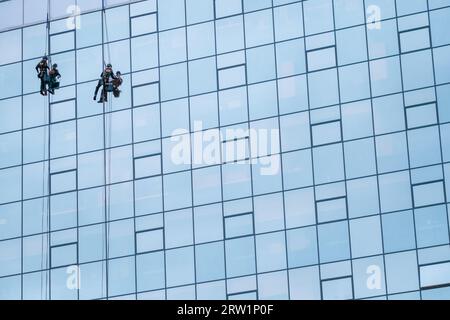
(116, 84)
(41, 69)
(104, 81)
(53, 76)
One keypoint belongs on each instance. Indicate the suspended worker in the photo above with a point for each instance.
(117, 82)
(54, 76)
(42, 68)
(105, 81)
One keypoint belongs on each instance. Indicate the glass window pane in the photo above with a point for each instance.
(10, 115)
(144, 24)
(8, 76)
(10, 184)
(12, 41)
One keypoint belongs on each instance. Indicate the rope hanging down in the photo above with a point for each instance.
(108, 131)
(107, 37)
(45, 286)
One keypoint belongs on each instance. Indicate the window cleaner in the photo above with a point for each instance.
(54, 76)
(42, 70)
(116, 84)
(105, 81)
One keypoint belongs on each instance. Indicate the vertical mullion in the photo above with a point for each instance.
(132, 151)
(311, 151)
(407, 146)
(161, 148)
(280, 151)
(21, 176)
(105, 276)
(343, 151)
(193, 150)
(220, 157)
(76, 158)
(375, 148)
(250, 151)
(438, 119)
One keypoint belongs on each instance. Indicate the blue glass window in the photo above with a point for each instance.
(351, 45)
(302, 247)
(392, 152)
(10, 215)
(354, 82)
(297, 169)
(177, 191)
(11, 184)
(269, 215)
(172, 46)
(288, 22)
(258, 28)
(333, 242)
(199, 10)
(398, 231)
(362, 195)
(385, 76)
(365, 235)
(210, 262)
(320, 80)
(431, 226)
(300, 208)
(401, 272)
(178, 228)
(314, 9)
(424, 146)
(208, 223)
(10, 257)
(348, 13)
(180, 266)
(262, 100)
(240, 256)
(357, 120)
(260, 64)
(202, 76)
(201, 40)
(10, 149)
(359, 158)
(290, 58)
(395, 191)
(230, 34)
(150, 271)
(328, 163)
(122, 274)
(10, 115)
(174, 81)
(207, 185)
(292, 94)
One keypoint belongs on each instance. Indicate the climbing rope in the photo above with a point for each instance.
(108, 130)
(45, 286)
(45, 248)
(107, 36)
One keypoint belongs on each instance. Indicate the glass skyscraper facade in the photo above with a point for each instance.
(260, 149)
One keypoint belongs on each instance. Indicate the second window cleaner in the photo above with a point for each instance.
(110, 82)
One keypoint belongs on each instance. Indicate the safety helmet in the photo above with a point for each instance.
(44, 58)
(54, 66)
(109, 65)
